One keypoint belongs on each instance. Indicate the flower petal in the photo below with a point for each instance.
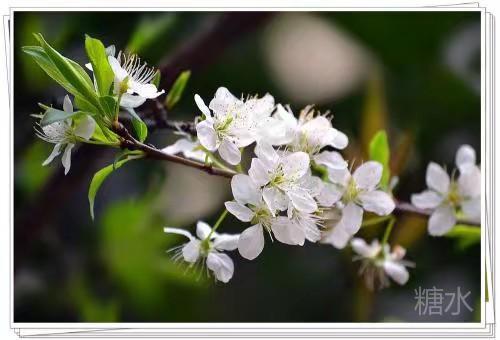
(226, 241)
(239, 211)
(288, 232)
(259, 172)
(296, 165)
(352, 216)
(337, 237)
(266, 154)
(472, 209)
(67, 104)
(437, 179)
(465, 156)
(275, 199)
(469, 182)
(427, 199)
(85, 127)
(131, 101)
(221, 265)
(251, 242)
(442, 220)
(191, 251)
(367, 176)
(203, 230)
(178, 232)
(229, 152)
(55, 152)
(119, 72)
(206, 134)
(148, 91)
(339, 140)
(223, 101)
(378, 202)
(331, 159)
(330, 194)
(66, 158)
(244, 189)
(302, 200)
(364, 249)
(201, 105)
(396, 271)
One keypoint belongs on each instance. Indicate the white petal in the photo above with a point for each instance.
(396, 271)
(131, 101)
(178, 232)
(352, 216)
(442, 220)
(206, 134)
(223, 101)
(226, 241)
(66, 158)
(368, 175)
(472, 209)
(275, 199)
(437, 179)
(221, 265)
(251, 242)
(191, 251)
(339, 176)
(340, 140)
(110, 50)
(239, 211)
(259, 172)
(85, 127)
(469, 182)
(288, 232)
(203, 230)
(330, 194)
(245, 190)
(378, 202)
(266, 154)
(337, 237)
(302, 200)
(230, 152)
(148, 91)
(465, 156)
(119, 72)
(427, 199)
(364, 249)
(201, 105)
(331, 159)
(55, 152)
(296, 165)
(67, 105)
(180, 146)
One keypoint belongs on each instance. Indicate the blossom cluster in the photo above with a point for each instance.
(283, 194)
(297, 188)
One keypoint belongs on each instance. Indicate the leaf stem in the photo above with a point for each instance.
(375, 220)
(388, 230)
(218, 223)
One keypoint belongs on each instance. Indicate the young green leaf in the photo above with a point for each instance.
(71, 74)
(380, 152)
(100, 65)
(52, 115)
(175, 93)
(140, 128)
(156, 79)
(108, 105)
(99, 178)
(465, 235)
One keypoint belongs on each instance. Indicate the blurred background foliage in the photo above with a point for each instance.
(414, 74)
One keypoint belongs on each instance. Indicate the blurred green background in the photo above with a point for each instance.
(415, 74)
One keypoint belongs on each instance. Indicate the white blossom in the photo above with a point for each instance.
(281, 178)
(132, 79)
(188, 148)
(445, 195)
(310, 132)
(378, 263)
(231, 123)
(205, 250)
(65, 134)
(358, 192)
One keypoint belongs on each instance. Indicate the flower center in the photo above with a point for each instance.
(454, 196)
(351, 192)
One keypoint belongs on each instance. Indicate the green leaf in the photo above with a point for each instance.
(108, 105)
(175, 93)
(52, 115)
(100, 65)
(380, 152)
(73, 75)
(99, 178)
(140, 128)
(466, 235)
